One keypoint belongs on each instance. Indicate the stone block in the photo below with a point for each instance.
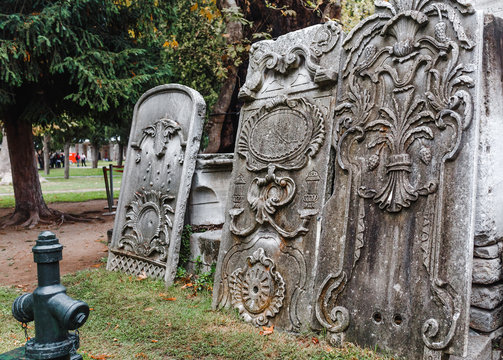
(489, 218)
(204, 245)
(486, 320)
(488, 252)
(161, 159)
(479, 348)
(487, 271)
(210, 187)
(487, 297)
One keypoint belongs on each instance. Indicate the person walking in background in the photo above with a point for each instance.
(83, 159)
(77, 159)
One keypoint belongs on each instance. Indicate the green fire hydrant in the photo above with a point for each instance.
(54, 312)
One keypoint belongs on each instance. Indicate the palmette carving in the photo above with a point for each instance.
(146, 230)
(162, 131)
(407, 104)
(258, 290)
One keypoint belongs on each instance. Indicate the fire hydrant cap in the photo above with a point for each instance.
(47, 249)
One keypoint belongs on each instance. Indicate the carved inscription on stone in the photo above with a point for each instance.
(267, 254)
(398, 223)
(157, 178)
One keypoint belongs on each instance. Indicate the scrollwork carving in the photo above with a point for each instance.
(265, 196)
(407, 105)
(264, 57)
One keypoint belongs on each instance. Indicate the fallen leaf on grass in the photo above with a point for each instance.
(267, 330)
(149, 309)
(115, 339)
(97, 265)
(170, 299)
(154, 341)
(315, 340)
(142, 276)
(100, 357)
(187, 285)
(141, 356)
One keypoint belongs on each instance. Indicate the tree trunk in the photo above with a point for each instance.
(121, 154)
(67, 160)
(5, 169)
(94, 153)
(235, 32)
(30, 205)
(45, 149)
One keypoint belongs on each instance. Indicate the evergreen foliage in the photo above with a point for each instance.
(83, 55)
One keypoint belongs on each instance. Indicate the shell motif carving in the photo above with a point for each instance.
(258, 290)
(147, 226)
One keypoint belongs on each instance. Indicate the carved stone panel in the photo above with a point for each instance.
(267, 259)
(397, 236)
(161, 158)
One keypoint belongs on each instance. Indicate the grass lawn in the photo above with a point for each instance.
(58, 189)
(135, 318)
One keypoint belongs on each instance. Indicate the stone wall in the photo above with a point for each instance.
(486, 314)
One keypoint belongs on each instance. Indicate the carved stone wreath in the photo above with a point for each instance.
(146, 231)
(284, 133)
(258, 290)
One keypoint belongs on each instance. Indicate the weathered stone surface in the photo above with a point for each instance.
(489, 219)
(162, 151)
(397, 232)
(488, 252)
(487, 297)
(486, 320)
(480, 349)
(270, 241)
(487, 271)
(490, 6)
(204, 246)
(210, 188)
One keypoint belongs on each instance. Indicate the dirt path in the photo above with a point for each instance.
(84, 244)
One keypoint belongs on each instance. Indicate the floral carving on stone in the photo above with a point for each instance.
(388, 112)
(147, 226)
(258, 290)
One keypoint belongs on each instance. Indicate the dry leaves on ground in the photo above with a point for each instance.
(267, 330)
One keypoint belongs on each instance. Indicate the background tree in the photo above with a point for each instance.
(79, 57)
